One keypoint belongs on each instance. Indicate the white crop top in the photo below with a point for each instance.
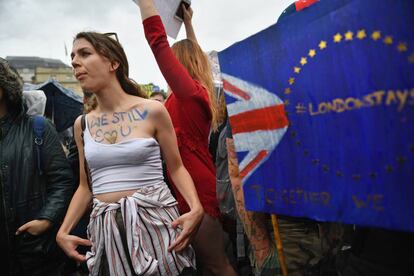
(126, 165)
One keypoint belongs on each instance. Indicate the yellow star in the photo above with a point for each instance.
(388, 40)
(291, 81)
(296, 70)
(361, 34)
(349, 36)
(303, 61)
(287, 91)
(322, 45)
(286, 102)
(337, 38)
(411, 58)
(402, 47)
(376, 35)
(312, 53)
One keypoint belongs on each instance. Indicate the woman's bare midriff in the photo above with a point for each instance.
(114, 196)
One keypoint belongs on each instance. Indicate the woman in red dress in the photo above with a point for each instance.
(192, 107)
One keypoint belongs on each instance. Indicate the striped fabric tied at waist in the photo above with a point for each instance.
(146, 216)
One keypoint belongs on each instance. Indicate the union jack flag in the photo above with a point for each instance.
(258, 121)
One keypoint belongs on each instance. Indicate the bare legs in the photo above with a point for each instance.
(210, 250)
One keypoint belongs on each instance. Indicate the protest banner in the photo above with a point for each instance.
(321, 106)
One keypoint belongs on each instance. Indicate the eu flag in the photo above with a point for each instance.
(322, 110)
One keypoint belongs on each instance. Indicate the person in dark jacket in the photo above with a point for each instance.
(33, 200)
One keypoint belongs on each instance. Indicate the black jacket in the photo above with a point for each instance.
(26, 195)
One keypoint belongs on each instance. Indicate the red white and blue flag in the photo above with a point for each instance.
(257, 119)
(321, 105)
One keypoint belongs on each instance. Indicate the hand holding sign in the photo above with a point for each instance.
(167, 10)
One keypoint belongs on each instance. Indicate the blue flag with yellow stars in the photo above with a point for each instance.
(321, 106)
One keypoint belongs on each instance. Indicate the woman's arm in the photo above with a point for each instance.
(254, 223)
(147, 9)
(78, 205)
(177, 77)
(168, 143)
(189, 30)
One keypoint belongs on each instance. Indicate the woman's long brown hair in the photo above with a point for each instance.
(198, 66)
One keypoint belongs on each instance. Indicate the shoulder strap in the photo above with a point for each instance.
(38, 131)
(85, 163)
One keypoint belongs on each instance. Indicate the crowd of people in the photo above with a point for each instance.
(151, 186)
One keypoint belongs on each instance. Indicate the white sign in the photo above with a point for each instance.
(167, 9)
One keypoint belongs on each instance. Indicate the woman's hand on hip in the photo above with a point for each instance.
(189, 223)
(69, 243)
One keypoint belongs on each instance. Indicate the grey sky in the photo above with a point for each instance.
(43, 27)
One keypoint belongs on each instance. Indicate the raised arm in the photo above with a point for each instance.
(79, 204)
(177, 77)
(147, 9)
(189, 30)
(168, 142)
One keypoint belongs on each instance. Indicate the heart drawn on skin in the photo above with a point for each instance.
(111, 136)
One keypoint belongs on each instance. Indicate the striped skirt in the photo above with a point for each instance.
(145, 230)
